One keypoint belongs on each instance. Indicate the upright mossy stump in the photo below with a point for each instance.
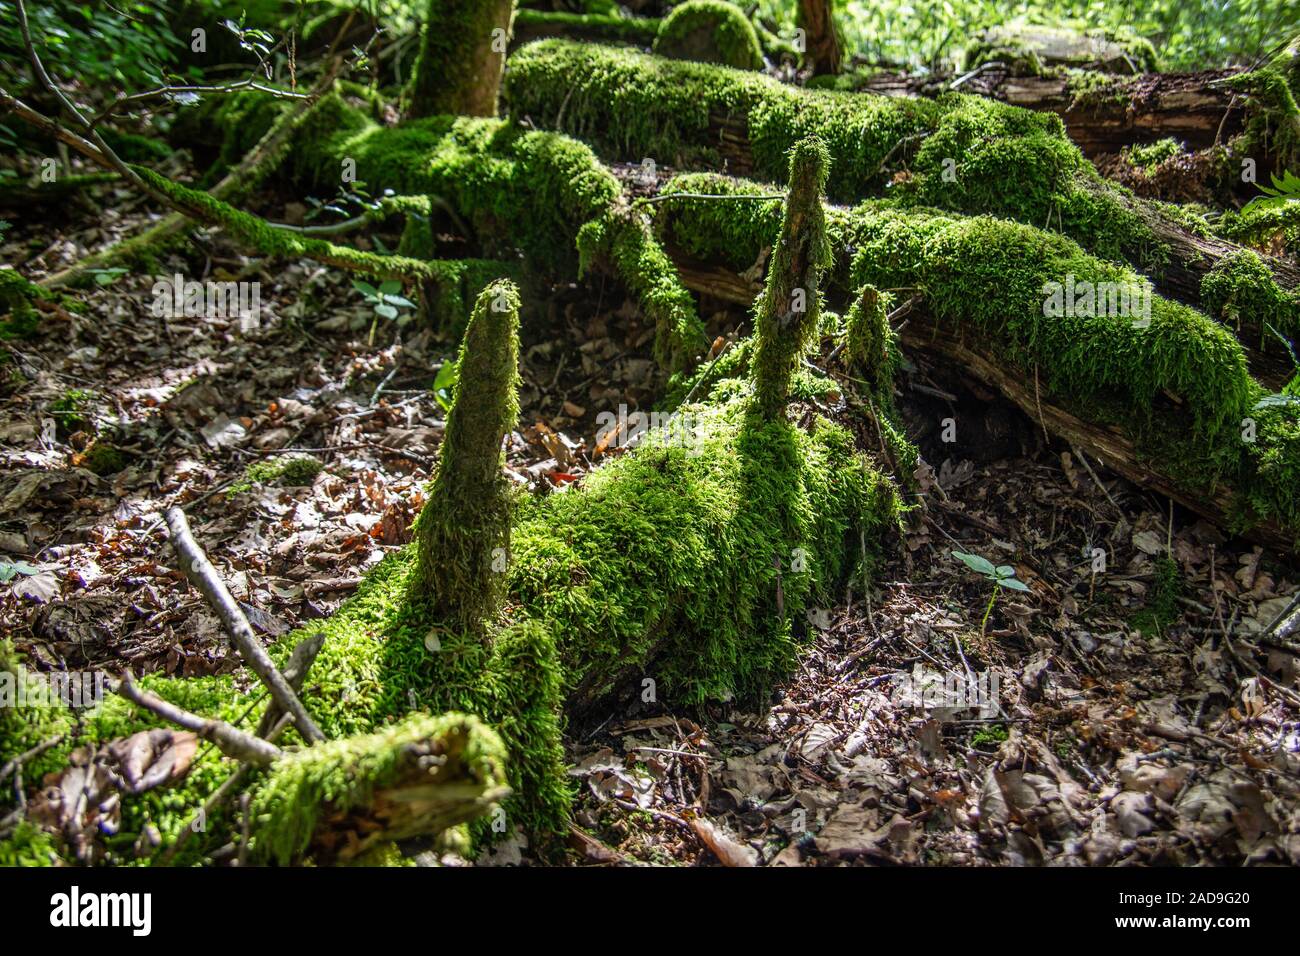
(790, 306)
(462, 55)
(464, 530)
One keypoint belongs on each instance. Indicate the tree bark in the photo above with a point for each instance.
(823, 51)
(462, 55)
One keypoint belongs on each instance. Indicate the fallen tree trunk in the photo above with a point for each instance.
(1108, 444)
(1104, 114)
(592, 27)
(957, 153)
(1166, 399)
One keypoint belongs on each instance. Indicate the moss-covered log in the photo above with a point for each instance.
(1031, 49)
(601, 28)
(1102, 114)
(462, 53)
(522, 191)
(957, 152)
(1157, 389)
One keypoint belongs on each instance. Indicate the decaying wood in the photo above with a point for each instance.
(1103, 443)
(1191, 107)
(204, 577)
(1190, 257)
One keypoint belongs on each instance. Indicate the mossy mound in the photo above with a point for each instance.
(293, 469)
(541, 194)
(988, 279)
(710, 31)
(1272, 229)
(1242, 292)
(959, 151)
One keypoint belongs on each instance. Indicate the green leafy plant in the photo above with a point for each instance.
(386, 302)
(1285, 189)
(11, 569)
(444, 383)
(105, 277)
(1002, 576)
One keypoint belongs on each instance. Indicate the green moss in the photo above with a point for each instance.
(1242, 292)
(788, 312)
(104, 458)
(72, 409)
(1148, 156)
(18, 316)
(29, 845)
(710, 31)
(1273, 126)
(1270, 229)
(340, 775)
(134, 148)
(1162, 602)
(539, 193)
(40, 719)
(604, 27)
(463, 530)
(959, 151)
(295, 469)
(987, 279)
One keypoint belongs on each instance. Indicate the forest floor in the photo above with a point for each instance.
(1116, 732)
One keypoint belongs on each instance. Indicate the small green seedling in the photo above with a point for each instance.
(445, 382)
(386, 301)
(11, 569)
(1002, 576)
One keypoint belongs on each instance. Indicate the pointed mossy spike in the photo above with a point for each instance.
(788, 309)
(463, 531)
(870, 342)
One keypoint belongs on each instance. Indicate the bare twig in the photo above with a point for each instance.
(204, 577)
(15, 765)
(230, 740)
(295, 672)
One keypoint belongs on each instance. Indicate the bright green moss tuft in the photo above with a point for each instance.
(340, 775)
(296, 469)
(29, 845)
(1242, 292)
(710, 31)
(20, 319)
(41, 718)
(1272, 229)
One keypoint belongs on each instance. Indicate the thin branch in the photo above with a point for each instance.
(230, 740)
(204, 577)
